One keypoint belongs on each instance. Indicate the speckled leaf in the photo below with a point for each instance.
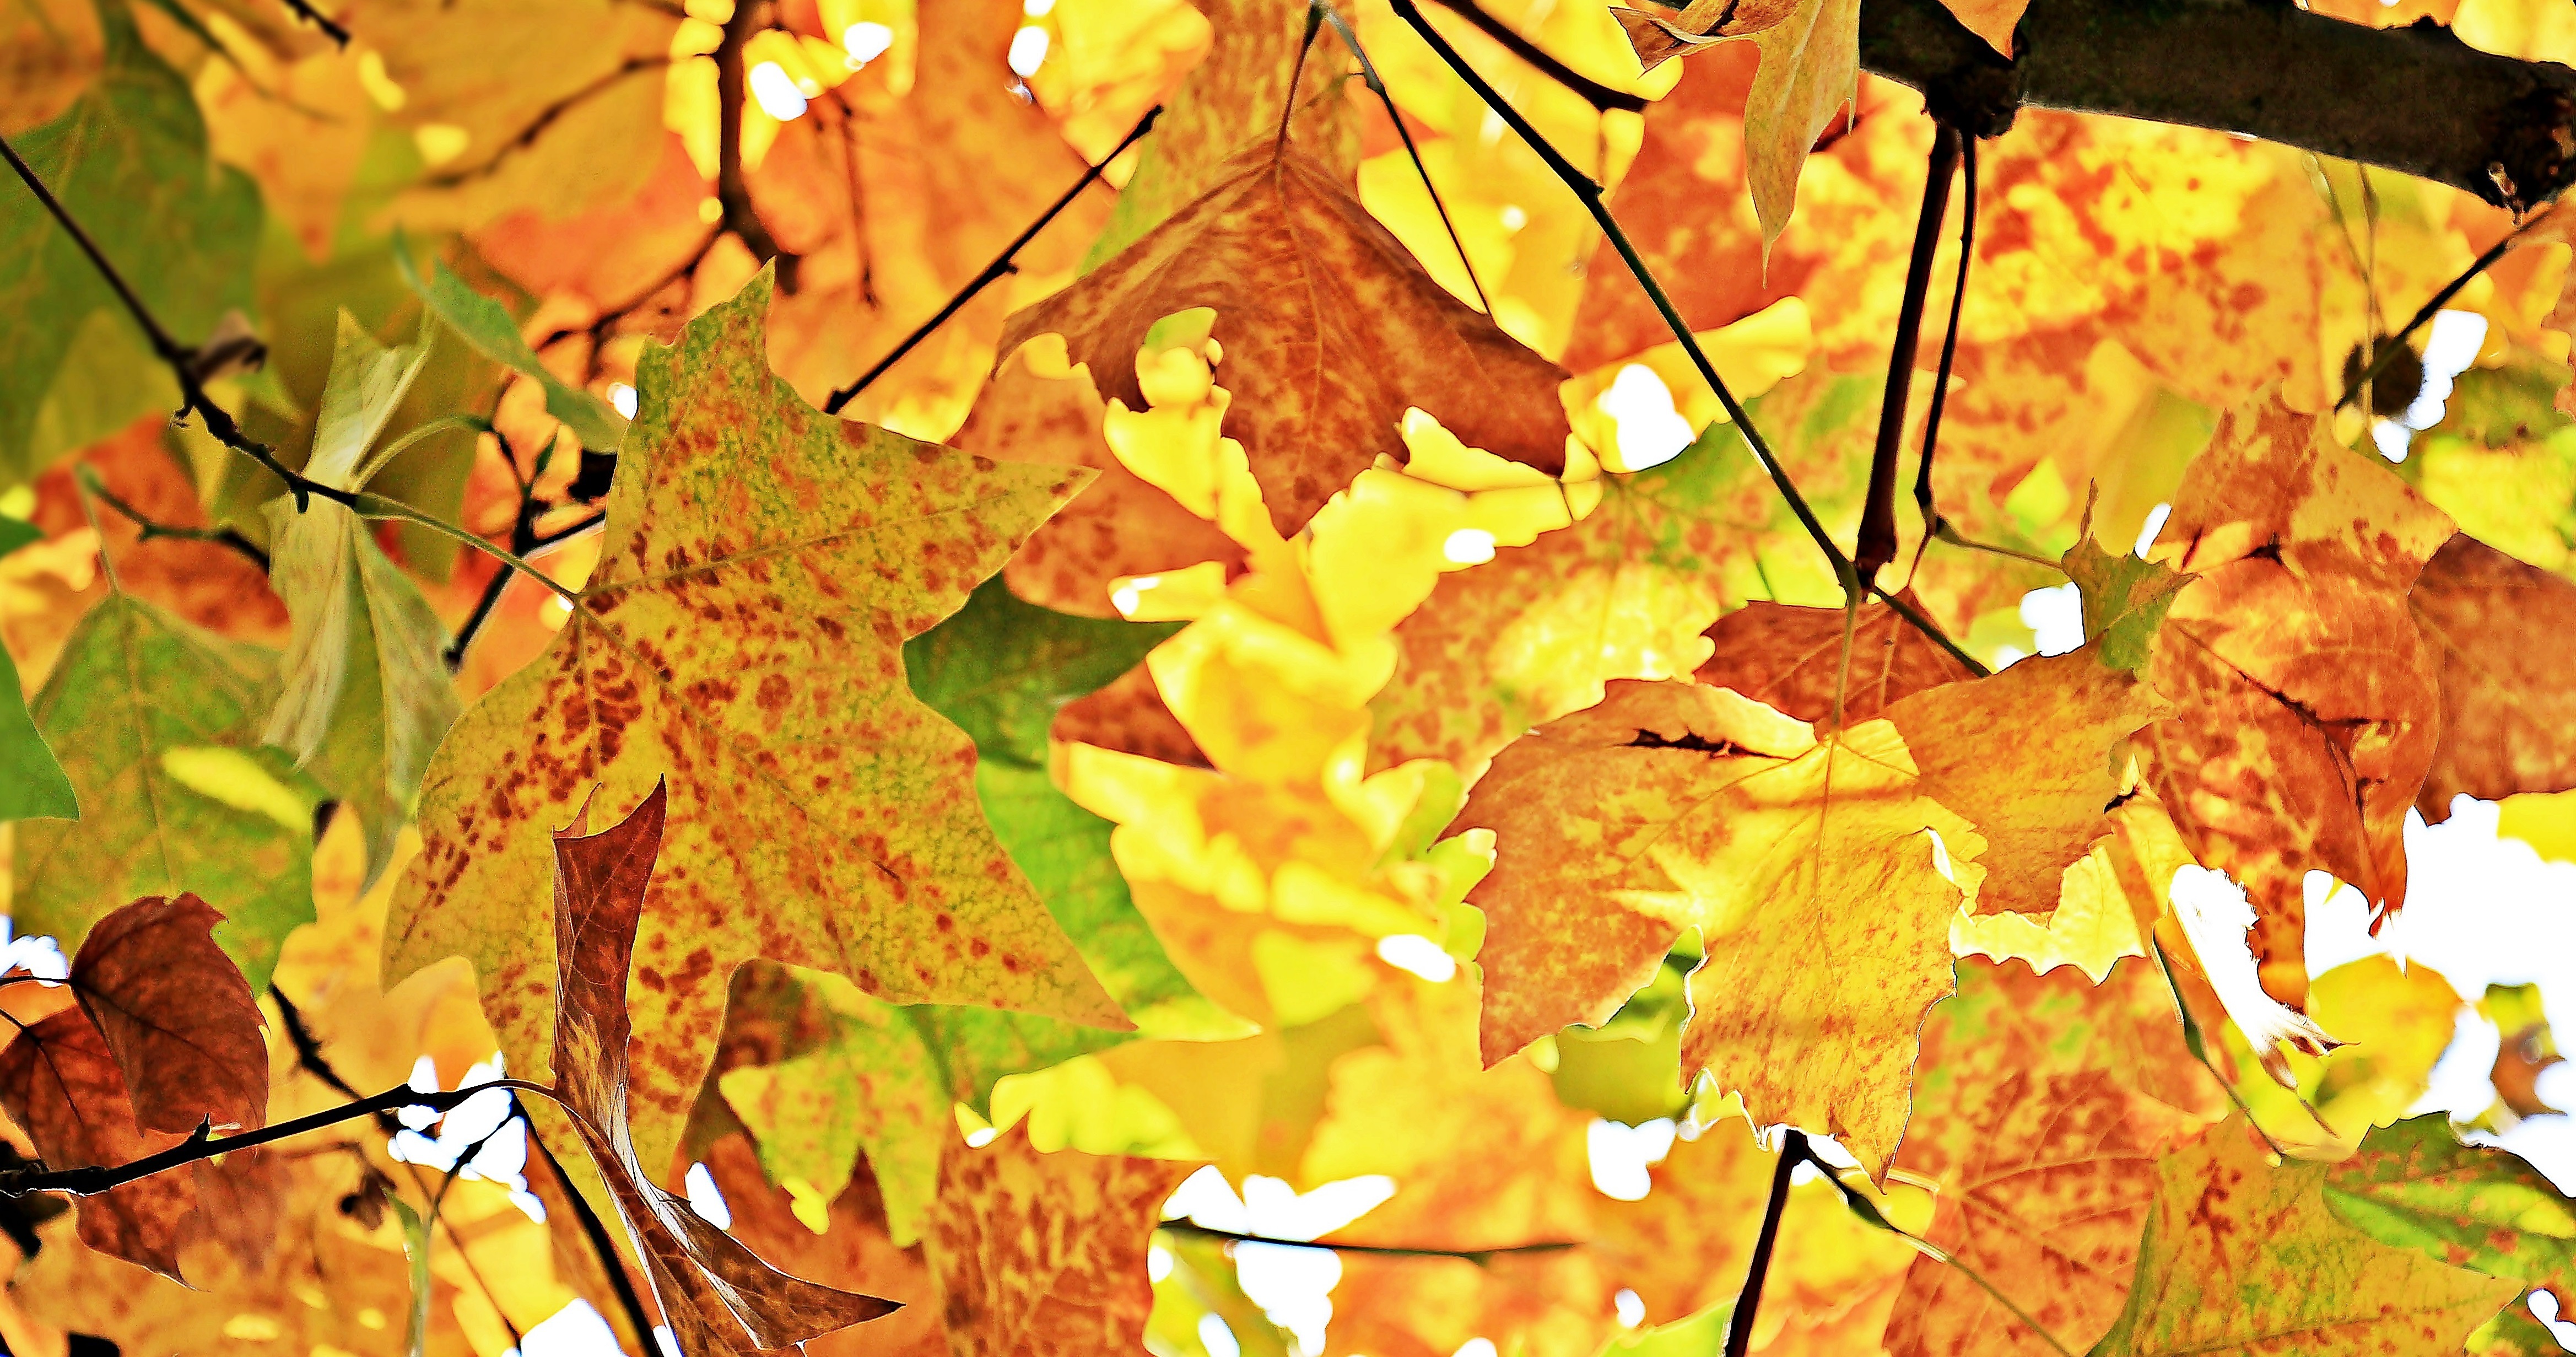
(716, 1294)
(365, 693)
(2494, 625)
(160, 723)
(1330, 331)
(2030, 756)
(1792, 659)
(1808, 867)
(2241, 1255)
(173, 1010)
(1810, 71)
(128, 160)
(2309, 707)
(1045, 1252)
(59, 1083)
(2415, 1186)
(762, 567)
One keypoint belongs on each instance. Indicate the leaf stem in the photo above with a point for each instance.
(1932, 520)
(601, 1243)
(993, 272)
(1591, 91)
(2387, 351)
(1876, 548)
(222, 537)
(1369, 77)
(1739, 1326)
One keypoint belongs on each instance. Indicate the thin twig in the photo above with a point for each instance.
(95, 1179)
(596, 1231)
(732, 192)
(1868, 1210)
(546, 118)
(304, 10)
(1592, 91)
(1877, 545)
(994, 271)
(1739, 1326)
(1369, 77)
(1593, 195)
(2424, 315)
(523, 539)
(1478, 1256)
(1932, 521)
(222, 537)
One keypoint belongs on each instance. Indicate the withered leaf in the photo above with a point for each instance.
(717, 1295)
(177, 1015)
(2508, 711)
(59, 1082)
(1329, 328)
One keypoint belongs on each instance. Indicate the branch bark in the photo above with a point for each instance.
(2415, 99)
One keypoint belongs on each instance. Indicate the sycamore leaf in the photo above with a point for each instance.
(59, 1082)
(1045, 1252)
(2309, 707)
(487, 326)
(128, 160)
(1791, 659)
(2124, 598)
(32, 784)
(2415, 1186)
(2242, 1255)
(1809, 868)
(175, 1013)
(1657, 39)
(366, 695)
(1992, 20)
(716, 1294)
(2506, 707)
(760, 571)
(1330, 330)
(1810, 70)
(161, 725)
(2066, 720)
(2040, 1105)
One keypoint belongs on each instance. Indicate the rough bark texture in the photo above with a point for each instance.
(2413, 99)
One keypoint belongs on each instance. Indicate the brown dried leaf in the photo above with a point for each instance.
(1330, 329)
(59, 1082)
(2495, 626)
(717, 1295)
(177, 1014)
(1791, 659)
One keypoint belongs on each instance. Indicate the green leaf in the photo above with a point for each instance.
(158, 727)
(1001, 668)
(366, 695)
(129, 161)
(486, 325)
(415, 1232)
(32, 784)
(2415, 1186)
(2125, 600)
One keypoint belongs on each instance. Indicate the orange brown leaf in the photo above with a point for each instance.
(177, 1015)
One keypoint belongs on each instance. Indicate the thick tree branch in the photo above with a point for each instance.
(1595, 93)
(2414, 99)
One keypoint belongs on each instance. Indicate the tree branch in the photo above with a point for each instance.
(2415, 99)
(305, 11)
(1000, 268)
(1739, 1326)
(1595, 93)
(222, 537)
(732, 193)
(1477, 1256)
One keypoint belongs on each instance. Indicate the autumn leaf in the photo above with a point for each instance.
(128, 159)
(32, 785)
(2415, 1186)
(1701, 22)
(174, 1012)
(2070, 717)
(716, 1294)
(2239, 1252)
(1810, 70)
(161, 723)
(1045, 1252)
(59, 1082)
(1791, 659)
(2125, 600)
(365, 695)
(1329, 329)
(2309, 707)
(1675, 805)
(761, 570)
(2503, 705)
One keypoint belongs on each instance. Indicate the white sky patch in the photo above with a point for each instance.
(1468, 546)
(621, 398)
(1418, 954)
(2154, 525)
(576, 1330)
(2449, 349)
(1476, 1347)
(865, 42)
(1630, 1306)
(2056, 617)
(40, 955)
(1650, 431)
(2216, 916)
(1217, 1338)
(706, 1198)
(776, 93)
(1621, 1155)
(1293, 1286)
(1028, 51)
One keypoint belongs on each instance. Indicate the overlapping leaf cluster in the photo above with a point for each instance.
(1290, 679)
